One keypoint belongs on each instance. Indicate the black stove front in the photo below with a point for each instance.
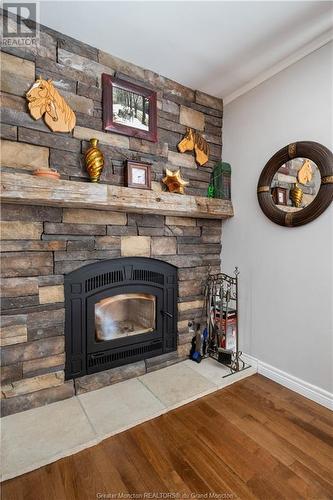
(119, 311)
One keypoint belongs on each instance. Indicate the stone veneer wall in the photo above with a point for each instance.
(75, 69)
(41, 244)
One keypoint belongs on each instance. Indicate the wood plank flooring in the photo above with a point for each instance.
(254, 439)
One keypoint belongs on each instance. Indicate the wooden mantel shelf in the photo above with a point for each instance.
(31, 190)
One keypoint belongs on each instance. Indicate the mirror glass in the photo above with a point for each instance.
(295, 185)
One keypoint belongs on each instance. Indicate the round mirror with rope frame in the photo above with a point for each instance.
(323, 158)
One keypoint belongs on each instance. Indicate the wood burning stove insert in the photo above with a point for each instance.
(119, 311)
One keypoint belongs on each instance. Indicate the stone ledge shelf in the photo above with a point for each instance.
(30, 190)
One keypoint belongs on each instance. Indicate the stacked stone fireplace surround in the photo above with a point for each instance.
(41, 244)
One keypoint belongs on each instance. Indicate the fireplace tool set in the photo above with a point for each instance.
(219, 339)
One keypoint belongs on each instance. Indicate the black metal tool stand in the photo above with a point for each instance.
(222, 311)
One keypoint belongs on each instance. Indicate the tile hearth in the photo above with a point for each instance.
(43, 435)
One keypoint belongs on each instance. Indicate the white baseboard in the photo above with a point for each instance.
(250, 360)
(310, 391)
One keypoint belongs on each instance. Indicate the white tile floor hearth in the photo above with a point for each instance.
(40, 436)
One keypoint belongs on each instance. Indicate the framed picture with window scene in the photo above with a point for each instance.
(129, 109)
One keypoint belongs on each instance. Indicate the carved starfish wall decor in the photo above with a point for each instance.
(174, 182)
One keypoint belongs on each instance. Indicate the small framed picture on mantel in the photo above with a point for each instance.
(279, 195)
(138, 174)
(129, 109)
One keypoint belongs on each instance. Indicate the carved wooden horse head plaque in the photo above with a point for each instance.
(45, 100)
(193, 140)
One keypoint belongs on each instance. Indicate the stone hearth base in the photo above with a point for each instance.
(125, 372)
(43, 435)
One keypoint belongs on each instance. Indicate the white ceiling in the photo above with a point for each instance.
(222, 47)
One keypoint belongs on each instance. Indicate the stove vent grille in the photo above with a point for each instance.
(107, 358)
(146, 275)
(104, 279)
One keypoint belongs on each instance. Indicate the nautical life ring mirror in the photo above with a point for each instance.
(296, 184)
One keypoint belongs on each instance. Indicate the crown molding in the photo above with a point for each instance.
(307, 49)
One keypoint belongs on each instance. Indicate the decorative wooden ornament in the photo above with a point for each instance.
(45, 100)
(296, 195)
(305, 173)
(94, 161)
(174, 182)
(201, 150)
(50, 173)
(187, 142)
(194, 140)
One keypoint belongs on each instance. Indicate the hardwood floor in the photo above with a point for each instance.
(254, 439)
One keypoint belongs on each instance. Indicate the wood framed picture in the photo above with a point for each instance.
(138, 174)
(279, 195)
(129, 109)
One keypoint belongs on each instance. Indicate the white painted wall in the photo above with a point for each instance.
(286, 285)
(239, 40)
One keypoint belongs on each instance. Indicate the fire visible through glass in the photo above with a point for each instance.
(124, 315)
